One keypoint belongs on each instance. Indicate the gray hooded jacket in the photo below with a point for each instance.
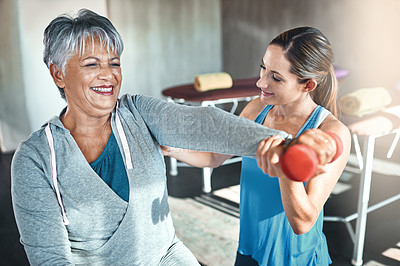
(101, 228)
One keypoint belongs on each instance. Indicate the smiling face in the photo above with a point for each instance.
(92, 80)
(278, 86)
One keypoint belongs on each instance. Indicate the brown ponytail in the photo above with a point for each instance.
(325, 94)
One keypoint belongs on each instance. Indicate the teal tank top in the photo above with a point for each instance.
(265, 232)
(111, 168)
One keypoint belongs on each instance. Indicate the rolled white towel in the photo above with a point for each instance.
(213, 81)
(365, 101)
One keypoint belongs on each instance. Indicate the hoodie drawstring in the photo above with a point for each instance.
(50, 140)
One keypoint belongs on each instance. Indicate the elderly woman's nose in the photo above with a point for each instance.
(105, 73)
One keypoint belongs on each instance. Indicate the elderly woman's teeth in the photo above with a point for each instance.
(102, 89)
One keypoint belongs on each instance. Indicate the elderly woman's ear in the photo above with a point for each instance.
(57, 75)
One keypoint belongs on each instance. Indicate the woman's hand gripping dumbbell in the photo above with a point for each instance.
(299, 157)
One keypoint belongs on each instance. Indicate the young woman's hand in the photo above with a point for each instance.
(268, 155)
(321, 142)
(271, 149)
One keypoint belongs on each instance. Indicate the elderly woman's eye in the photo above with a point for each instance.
(90, 65)
(263, 67)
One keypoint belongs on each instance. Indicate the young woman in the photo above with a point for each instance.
(281, 219)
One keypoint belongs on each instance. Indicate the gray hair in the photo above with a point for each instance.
(65, 35)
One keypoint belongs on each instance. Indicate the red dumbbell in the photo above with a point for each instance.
(299, 162)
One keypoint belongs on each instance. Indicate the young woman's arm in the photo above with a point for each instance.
(303, 202)
(196, 158)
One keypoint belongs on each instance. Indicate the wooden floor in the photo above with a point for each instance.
(208, 232)
(208, 223)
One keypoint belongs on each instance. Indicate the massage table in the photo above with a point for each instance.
(368, 128)
(241, 90)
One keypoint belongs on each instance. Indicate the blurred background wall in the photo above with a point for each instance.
(14, 122)
(365, 36)
(168, 42)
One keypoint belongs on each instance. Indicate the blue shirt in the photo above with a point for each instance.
(265, 232)
(110, 167)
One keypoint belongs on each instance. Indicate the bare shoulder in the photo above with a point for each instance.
(332, 124)
(252, 109)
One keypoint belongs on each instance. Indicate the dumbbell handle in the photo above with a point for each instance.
(300, 162)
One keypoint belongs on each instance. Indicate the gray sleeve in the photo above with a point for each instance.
(37, 212)
(201, 128)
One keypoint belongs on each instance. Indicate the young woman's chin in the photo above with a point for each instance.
(266, 98)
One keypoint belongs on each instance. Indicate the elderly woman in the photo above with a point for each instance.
(89, 187)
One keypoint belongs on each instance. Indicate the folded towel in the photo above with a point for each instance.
(365, 101)
(213, 81)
